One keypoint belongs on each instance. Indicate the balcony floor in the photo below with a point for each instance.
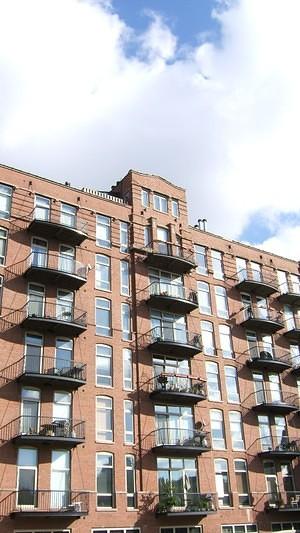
(36, 440)
(59, 327)
(280, 408)
(57, 277)
(175, 305)
(51, 379)
(175, 451)
(256, 287)
(64, 513)
(176, 397)
(174, 348)
(260, 324)
(169, 263)
(45, 228)
(268, 364)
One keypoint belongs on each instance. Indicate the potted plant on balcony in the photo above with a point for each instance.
(167, 498)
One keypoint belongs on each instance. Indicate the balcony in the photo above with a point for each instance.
(292, 326)
(256, 282)
(262, 357)
(170, 257)
(53, 224)
(35, 430)
(274, 401)
(172, 297)
(188, 504)
(34, 370)
(177, 388)
(283, 502)
(180, 442)
(289, 293)
(260, 319)
(58, 318)
(279, 447)
(174, 341)
(295, 363)
(49, 504)
(54, 268)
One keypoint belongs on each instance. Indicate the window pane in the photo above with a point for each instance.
(103, 317)
(124, 271)
(126, 321)
(127, 369)
(103, 231)
(103, 365)
(201, 260)
(124, 237)
(221, 302)
(231, 384)
(104, 420)
(204, 298)
(5, 201)
(102, 272)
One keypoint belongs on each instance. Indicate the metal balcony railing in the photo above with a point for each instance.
(178, 437)
(186, 503)
(256, 276)
(289, 287)
(175, 335)
(43, 426)
(47, 310)
(179, 383)
(255, 312)
(56, 261)
(262, 353)
(274, 398)
(172, 290)
(292, 323)
(170, 249)
(282, 501)
(55, 216)
(50, 501)
(45, 366)
(277, 445)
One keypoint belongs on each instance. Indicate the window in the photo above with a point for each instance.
(124, 274)
(41, 207)
(163, 237)
(239, 528)
(3, 245)
(30, 410)
(182, 529)
(66, 260)
(64, 305)
(36, 296)
(27, 476)
(63, 353)
(126, 322)
(130, 481)
(181, 473)
(175, 208)
(124, 237)
(217, 429)
(213, 382)
(60, 479)
(102, 272)
(160, 203)
(226, 341)
(241, 268)
(201, 259)
(241, 475)
(128, 422)
(104, 419)
(217, 264)
(282, 281)
(145, 197)
(68, 215)
(103, 231)
(127, 369)
(116, 530)
(271, 481)
(1, 290)
(295, 355)
(221, 302)
(33, 352)
(62, 405)
(256, 271)
(295, 283)
(208, 341)
(174, 423)
(236, 430)
(286, 527)
(105, 480)
(5, 200)
(103, 365)
(204, 298)
(222, 482)
(147, 235)
(265, 432)
(39, 249)
(103, 317)
(287, 477)
(231, 384)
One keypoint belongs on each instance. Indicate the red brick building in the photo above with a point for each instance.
(148, 369)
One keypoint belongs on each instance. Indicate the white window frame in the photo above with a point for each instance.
(145, 197)
(201, 252)
(221, 302)
(235, 421)
(112, 494)
(127, 361)
(231, 376)
(133, 471)
(125, 278)
(217, 419)
(4, 240)
(107, 354)
(102, 262)
(124, 237)
(103, 225)
(128, 431)
(109, 429)
(160, 203)
(126, 322)
(203, 288)
(105, 331)
(217, 264)
(6, 192)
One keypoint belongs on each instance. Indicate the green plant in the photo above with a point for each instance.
(167, 496)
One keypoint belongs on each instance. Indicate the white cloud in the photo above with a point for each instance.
(221, 120)
(284, 243)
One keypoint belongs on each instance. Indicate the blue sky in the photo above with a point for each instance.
(209, 101)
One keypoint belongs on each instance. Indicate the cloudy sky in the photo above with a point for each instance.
(203, 92)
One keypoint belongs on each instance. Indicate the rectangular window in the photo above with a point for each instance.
(208, 341)
(222, 482)
(104, 419)
(241, 268)
(240, 528)
(124, 237)
(103, 231)
(226, 341)
(175, 208)
(41, 207)
(265, 432)
(130, 481)
(181, 529)
(68, 215)
(217, 429)
(221, 302)
(231, 384)
(105, 480)
(282, 281)
(201, 259)
(160, 203)
(213, 382)
(3, 245)
(127, 369)
(124, 274)
(147, 235)
(145, 197)
(241, 475)
(27, 476)
(217, 264)
(236, 430)
(126, 322)
(103, 365)
(103, 317)
(102, 272)
(295, 284)
(204, 298)
(5, 200)
(256, 271)
(182, 475)
(128, 422)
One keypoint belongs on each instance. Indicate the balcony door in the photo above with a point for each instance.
(64, 305)
(27, 477)
(30, 410)
(36, 300)
(63, 354)
(169, 326)
(262, 307)
(275, 389)
(179, 477)
(60, 479)
(39, 249)
(66, 259)
(271, 482)
(174, 424)
(265, 432)
(33, 353)
(163, 237)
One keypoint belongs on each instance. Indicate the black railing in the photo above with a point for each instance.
(289, 287)
(273, 397)
(56, 261)
(49, 366)
(50, 501)
(173, 335)
(292, 323)
(187, 502)
(255, 312)
(267, 278)
(261, 352)
(180, 383)
(43, 426)
(61, 312)
(55, 216)
(282, 500)
(275, 443)
(190, 438)
(172, 290)
(170, 249)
